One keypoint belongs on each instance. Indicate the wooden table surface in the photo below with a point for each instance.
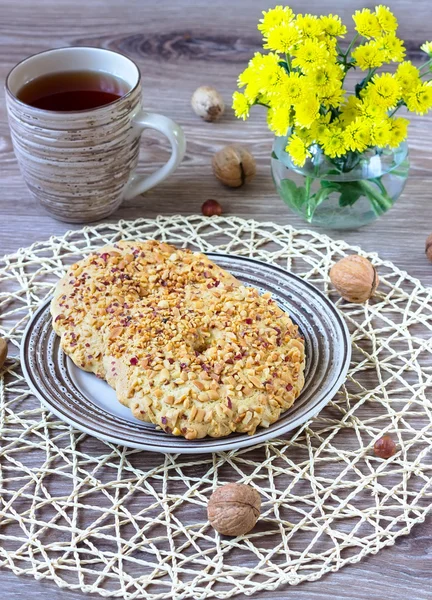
(178, 45)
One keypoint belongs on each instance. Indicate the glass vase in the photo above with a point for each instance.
(340, 194)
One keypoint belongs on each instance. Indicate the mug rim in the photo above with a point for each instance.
(70, 112)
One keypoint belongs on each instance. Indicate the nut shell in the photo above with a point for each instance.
(211, 208)
(234, 165)
(355, 278)
(428, 247)
(385, 447)
(3, 351)
(207, 103)
(233, 509)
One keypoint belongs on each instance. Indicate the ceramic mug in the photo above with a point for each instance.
(81, 165)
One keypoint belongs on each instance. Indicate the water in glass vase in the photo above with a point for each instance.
(340, 196)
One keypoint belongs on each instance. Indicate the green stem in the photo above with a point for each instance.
(288, 62)
(399, 104)
(364, 82)
(353, 41)
(380, 184)
(308, 181)
(314, 200)
(309, 207)
(371, 73)
(347, 64)
(426, 64)
(380, 202)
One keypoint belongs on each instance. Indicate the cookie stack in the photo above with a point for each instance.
(184, 344)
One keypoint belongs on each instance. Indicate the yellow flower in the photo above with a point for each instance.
(282, 38)
(392, 47)
(275, 17)
(258, 64)
(368, 56)
(333, 97)
(297, 149)
(380, 133)
(240, 105)
(398, 131)
(366, 23)
(420, 99)
(350, 110)
(311, 94)
(279, 119)
(386, 19)
(318, 129)
(330, 44)
(333, 141)
(427, 47)
(259, 61)
(384, 90)
(308, 25)
(262, 76)
(306, 111)
(305, 135)
(323, 79)
(407, 76)
(309, 54)
(332, 25)
(289, 89)
(371, 110)
(252, 91)
(357, 135)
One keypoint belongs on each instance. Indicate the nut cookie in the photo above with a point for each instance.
(184, 344)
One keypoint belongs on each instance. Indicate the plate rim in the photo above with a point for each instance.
(265, 435)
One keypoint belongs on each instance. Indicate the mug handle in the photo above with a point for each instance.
(139, 184)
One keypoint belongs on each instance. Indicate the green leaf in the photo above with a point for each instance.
(292, 194)
(351, 191)
(327, 187)
(361, 85)
(332, 185)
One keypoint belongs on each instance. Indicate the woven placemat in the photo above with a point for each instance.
(96, 517)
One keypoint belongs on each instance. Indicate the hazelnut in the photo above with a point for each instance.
(211, 208)
(233, 509)
(428, 248)
(385, 447)
(234, 165)
(355, 278)
(3, 351)
(207, 103)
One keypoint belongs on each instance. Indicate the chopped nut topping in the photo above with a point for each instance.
(182, 333)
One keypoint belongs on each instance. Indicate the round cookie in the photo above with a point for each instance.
(183, 343)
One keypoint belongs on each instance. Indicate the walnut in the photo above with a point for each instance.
(355, 278)
(233, 509)
(234, 165)
(428, 248)
(3, 351)
(207, 103)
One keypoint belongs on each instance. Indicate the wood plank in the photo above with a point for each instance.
(179, 45)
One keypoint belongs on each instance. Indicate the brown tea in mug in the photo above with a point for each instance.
(72, 90)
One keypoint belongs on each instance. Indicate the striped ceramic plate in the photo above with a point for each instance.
(90, 405)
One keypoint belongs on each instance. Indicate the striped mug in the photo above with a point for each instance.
(81, 164)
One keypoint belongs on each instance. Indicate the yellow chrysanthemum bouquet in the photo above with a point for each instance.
(350, 142)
